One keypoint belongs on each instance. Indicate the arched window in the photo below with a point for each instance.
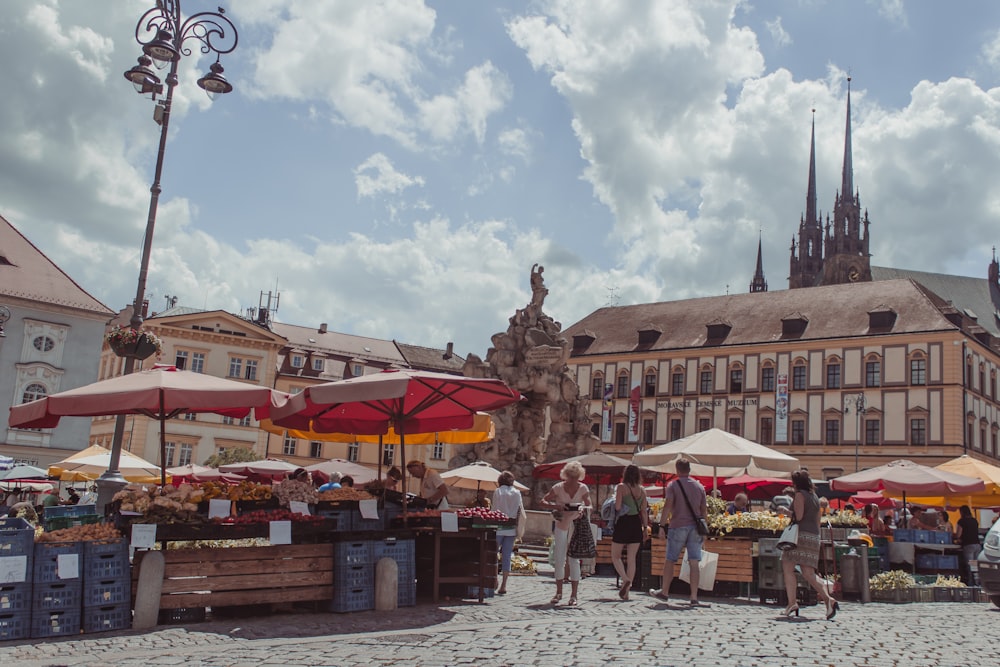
(623, 388)
(833, 373)
(767, 376)
(705, 380)
(677, 381)
(33, 392)
(736, 380)
(873, 371)
(649, 385)
(597, 387)
(799, 375)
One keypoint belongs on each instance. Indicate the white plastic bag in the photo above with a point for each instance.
(706, 568)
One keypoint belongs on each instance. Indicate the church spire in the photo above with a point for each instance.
(811, 191)
(759, 284)
(847, 183)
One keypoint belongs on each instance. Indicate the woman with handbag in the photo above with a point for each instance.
(508, 500)
(570, 500)
(630, 527)
(805, 550)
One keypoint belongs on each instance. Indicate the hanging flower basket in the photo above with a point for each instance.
(136, 343)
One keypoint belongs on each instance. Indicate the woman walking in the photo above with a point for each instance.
(570, 499)
(506, 499)
(630, 528)
(805, 554)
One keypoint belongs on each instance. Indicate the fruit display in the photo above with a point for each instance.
(889, 581)
(291, 490)
(726, 523)
(85, 533)
(345, 493)
(483, 514)
(136, 498)
(845, 519)
(246, 490)
(948, 582)
(265, 516)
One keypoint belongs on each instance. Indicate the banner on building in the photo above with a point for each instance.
(781, 409)
(608, 412)
(634, 403)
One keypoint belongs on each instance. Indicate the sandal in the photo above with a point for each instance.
(623, 593)
(572, 601)
(555, 599)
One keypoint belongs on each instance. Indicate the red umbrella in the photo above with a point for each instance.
(756, 488)
(864, 498)
(409, 401)
(600, 468)
(161, 393)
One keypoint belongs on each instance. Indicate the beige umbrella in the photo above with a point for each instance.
(359, 473)
(272, 468)
(91, 466)
(478, 475)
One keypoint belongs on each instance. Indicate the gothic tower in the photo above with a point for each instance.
(846, 243)
(758, 284)
(806, 267)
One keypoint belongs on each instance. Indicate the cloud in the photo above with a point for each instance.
(892, 10)
(515, 142)
(376, 175)
(778, 34)
(991, 52)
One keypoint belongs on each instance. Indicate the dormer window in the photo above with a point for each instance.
(648, 335)
(582, 341)
(718, 330)
(794, 325)
(298, 361)
(882, 318)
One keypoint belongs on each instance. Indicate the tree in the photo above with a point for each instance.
(233, 455)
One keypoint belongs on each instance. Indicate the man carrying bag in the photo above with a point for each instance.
(686, 505)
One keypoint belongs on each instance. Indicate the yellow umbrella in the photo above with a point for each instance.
(482, 430)
(970, 467)
(93, 461)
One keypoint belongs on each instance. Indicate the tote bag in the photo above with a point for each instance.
(789, 537)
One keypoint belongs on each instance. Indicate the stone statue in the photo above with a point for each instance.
(538, 290)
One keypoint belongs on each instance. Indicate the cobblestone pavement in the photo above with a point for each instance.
(522, 628)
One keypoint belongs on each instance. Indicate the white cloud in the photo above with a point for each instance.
(991, 52)
(515, 142)
(376, 175)
(778, 33)
(892, 10)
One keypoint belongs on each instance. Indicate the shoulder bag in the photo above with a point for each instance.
(581, 544)
(699, 521)
(789, 537)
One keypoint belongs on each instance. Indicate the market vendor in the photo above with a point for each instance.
(432, 488)
(740, 504)
(334, 483)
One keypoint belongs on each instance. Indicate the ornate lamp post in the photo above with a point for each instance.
(860, 406)
(163, 34)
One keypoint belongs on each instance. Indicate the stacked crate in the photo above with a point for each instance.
(57, 590)
(353, 576)
(17, 542)
(107, 586)
(402, 551)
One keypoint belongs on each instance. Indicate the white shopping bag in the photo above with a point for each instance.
(706, 568)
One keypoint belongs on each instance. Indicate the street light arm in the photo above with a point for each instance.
(215, 31)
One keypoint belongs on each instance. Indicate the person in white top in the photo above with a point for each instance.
(432, 487)
(508, 500)
(569, 498)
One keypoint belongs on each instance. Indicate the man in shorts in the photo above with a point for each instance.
(683, 532)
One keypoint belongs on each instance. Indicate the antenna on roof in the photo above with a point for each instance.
(613, 297)
(266, 308)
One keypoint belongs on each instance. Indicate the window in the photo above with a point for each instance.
(298, 361)
(918, 432)
(620, 434)
(185, 456)
(873, 427)
(288, 445)
(33, 392)
(675, 429)
(622, 391)
(43, 343)
(316, 449)
(833, 431)
(799, 378)
(597, 388)
(798, 432)
(704, 424)
(767, 431)
(650, 384)
(735, 425)
(198, 362)
(190, 416)
(353, 450)
(168, 454)
(235, 367)
(647, 431)
(969, 433)
(706, 382)
(767, 378)
(982, 437)
(993, 386)
(993, 443)
(245, 421)
(677, 384)
(918, 371)
(736, 381)
(833, 375)
(251, 370)
(357, 370)
(181, 359)
(437, 451)
(318, 364)
(388, 454)
(873, 373)
(595, 430)
(982, 379)
(228, 421)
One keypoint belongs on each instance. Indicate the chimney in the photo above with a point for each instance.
(449, 351)
(322, 328)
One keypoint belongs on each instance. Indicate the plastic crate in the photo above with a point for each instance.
(109, 592)
(353, 576)
(406, 596)
(15, 598)
(967, 594)
(17, 538)
(108, 617)
(343, 517)
(61, 511)
(923, 593)
(947, 562)
(927, 561)
(923, 536)
(358, 523)
(473, 592)
(944, 594)
(903, 535)
(398, 550)
(47, 560)
(768, 547)
(940, 537)
(352, 553)
(105, 559)
(55, 597)
(61, 522)
(15, 626)
(353, 599)
(894, 595)
(55, 623)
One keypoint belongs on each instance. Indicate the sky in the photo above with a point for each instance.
(395, 168)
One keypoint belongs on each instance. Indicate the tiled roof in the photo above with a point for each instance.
(430, 359)
(974, 297)
(310, 338)
(26, 273)
(836, 311)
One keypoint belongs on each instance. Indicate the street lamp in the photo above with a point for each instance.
(162, 34)
(860, 405)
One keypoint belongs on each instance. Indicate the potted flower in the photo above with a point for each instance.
(125, 341)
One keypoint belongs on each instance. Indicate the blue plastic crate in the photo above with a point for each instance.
(406, 596)
(46, 559)
(940, 537)
(947, 562)
(927, 561)
(903, 535)
(352, 553)
(353, 576)
(17, 538)
(108, 617)
(401, 551)
(56, 597)
(358, 523)
(15, 598)
(15, 626)
(60, 511)
(55, 623)
(343, 517)
(105, 559)
(923, 536)
(473, 592)
(356, 599)
(109, 592)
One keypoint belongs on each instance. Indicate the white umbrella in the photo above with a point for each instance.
(132, 467)
(267, 467)
(24, 472)
(714, 453)
(478, 475)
